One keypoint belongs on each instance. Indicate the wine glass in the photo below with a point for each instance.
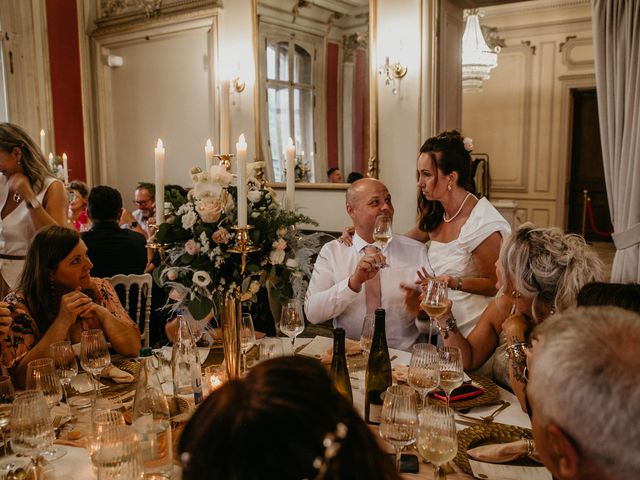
(437, 440)
(247, 337)
(292, 320)
(382, 233)
(94, 355)
(451, 372)
(117, 454)
(399, 418)
(270, 347)
(434, 300)
(7, 394)
(31, 428)
(424, 370)
(368, 326)
(66, 365)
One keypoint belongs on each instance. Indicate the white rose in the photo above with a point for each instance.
(189, 220)
(276, 257)
(281, 232)
(279, 244)
(254, 196)
(201, 278)
(209, 209)
(219, 175)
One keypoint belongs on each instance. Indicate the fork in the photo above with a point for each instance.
(488, 418)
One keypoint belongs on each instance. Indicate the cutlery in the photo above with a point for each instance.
(487, 418)
(468, 409)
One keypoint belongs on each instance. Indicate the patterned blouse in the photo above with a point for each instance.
(25, 333)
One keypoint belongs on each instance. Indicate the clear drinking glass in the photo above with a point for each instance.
(116, 454)
(399, 418)
(102, 420)
(368, 326)
(7, 395)
(270, 347)
(94, 355)
(66, 365)
(451, 371)
(424, 370)
(292, 320)
(382, 233)
(31, 428)
(247, 337)
(434, 300)
(437, 440)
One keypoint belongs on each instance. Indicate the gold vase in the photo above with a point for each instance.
(230, 319)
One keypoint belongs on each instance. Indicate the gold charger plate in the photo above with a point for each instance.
(490, 394)
(490, 433)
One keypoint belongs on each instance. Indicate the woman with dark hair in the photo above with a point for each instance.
(623, 295)
(78, 218)
(284, 420)
(31, 198)
(57, 299)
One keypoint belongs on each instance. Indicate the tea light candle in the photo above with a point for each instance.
(215, 376)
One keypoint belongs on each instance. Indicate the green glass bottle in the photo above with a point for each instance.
(339, 370)
(378, 377)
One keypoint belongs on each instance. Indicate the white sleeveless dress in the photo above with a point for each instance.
(454, 259)
(16, 232)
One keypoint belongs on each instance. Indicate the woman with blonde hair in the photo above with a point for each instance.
(31, 198)
(540, 272)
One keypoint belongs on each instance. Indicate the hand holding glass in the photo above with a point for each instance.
(434, 300)
(382, 233)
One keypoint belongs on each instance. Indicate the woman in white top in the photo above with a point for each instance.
(31, 198)
(465, 232)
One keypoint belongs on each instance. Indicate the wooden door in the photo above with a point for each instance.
(587, 172)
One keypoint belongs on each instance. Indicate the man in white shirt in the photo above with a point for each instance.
(343, 273)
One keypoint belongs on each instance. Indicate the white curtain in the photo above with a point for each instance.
(616, 41)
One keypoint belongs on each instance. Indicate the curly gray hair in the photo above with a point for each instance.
(584, 378)
(548, 265)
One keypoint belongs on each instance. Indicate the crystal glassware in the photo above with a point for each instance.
(367, 333)
(247, 337)
(424, 370)
(66, 366)
(399, 418)
(437, 440)
(7, 395)
(434, 300)
(117, 454)
(382, 233)
(451, 371)
(94, 355)
(292, 320)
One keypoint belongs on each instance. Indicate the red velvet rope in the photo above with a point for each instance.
(593, 222)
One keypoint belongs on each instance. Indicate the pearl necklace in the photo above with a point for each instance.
(444, 215)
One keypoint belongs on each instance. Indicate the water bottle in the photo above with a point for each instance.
(185, 364)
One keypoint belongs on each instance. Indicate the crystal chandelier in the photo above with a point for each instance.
(477, 58)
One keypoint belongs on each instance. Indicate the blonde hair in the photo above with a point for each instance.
(33, 163)
(548, 265)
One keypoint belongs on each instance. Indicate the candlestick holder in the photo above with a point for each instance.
(243, 245)
(225, 159)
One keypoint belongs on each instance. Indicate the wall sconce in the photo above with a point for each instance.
(238, 85)
(392, 73)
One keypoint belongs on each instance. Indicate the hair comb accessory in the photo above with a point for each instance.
(468, 144)
(331, 443)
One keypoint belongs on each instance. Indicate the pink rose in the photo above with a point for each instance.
(280, 244)
(171, 274)
(175, 295)
(221, 235)
(209, 209)
(191, 247)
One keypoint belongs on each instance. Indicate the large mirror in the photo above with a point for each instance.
(315, 87)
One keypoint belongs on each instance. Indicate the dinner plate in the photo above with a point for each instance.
(490, 394)
(490, 433)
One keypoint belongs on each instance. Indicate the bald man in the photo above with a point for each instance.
(338, 286)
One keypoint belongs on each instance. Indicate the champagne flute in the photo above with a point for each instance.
(424, 370)
(7, 394)
(42, 376)
(437, 439)
(382, 233)
(451, 371)
(31, 429)
(94, 355)
(368, 326)
(66, 365)
(399, 418)
(434, 300)
(247, 337)
(292, 320)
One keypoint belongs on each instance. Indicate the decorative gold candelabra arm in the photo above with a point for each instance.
(225, 159)
(243, 245)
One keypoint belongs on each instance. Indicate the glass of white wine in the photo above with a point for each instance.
(7, 394)
(424, 370)
(382, 233)
(366, 336)
(247, 337)
(399, 418)
(434, 300)
(292, 320)
(437, 439)
(451, 371)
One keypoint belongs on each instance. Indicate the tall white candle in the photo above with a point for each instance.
(241, 175)
(43, 145)
(225, 117)
(65, 167)
(290, 154)
(51, 162)
(208, 154)
(159, 170)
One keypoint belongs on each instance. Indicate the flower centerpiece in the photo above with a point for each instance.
(198, 267)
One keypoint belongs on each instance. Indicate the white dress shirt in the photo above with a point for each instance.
(329, 295)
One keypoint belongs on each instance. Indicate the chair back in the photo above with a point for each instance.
(143, 283)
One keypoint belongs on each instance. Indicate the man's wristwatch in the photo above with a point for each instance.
(32, 204)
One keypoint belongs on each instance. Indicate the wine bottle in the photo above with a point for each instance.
(185, 364)
(378, 376)
(339, 370)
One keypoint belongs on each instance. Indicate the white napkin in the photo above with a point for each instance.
(117, 375)
(495, 471)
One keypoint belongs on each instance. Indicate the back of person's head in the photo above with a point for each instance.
(354, 176)
(50, 246)
(272, 424)
(79, 187)
(34, 165)
(104, 203)
(623, 295)
(584, 377)
(331, 170)
(149, 187)
(548, 265)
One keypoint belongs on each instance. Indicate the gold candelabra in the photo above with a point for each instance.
(243, 245)
(225, 159)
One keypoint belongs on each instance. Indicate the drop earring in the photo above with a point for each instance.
(449, 187)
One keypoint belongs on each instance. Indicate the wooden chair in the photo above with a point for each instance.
(143, 282)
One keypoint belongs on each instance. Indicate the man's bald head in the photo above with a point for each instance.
(366, 199)
(357, 188)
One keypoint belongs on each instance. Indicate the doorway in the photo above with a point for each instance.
(587, 171)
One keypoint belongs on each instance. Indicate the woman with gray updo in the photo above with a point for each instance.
(540, 272)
